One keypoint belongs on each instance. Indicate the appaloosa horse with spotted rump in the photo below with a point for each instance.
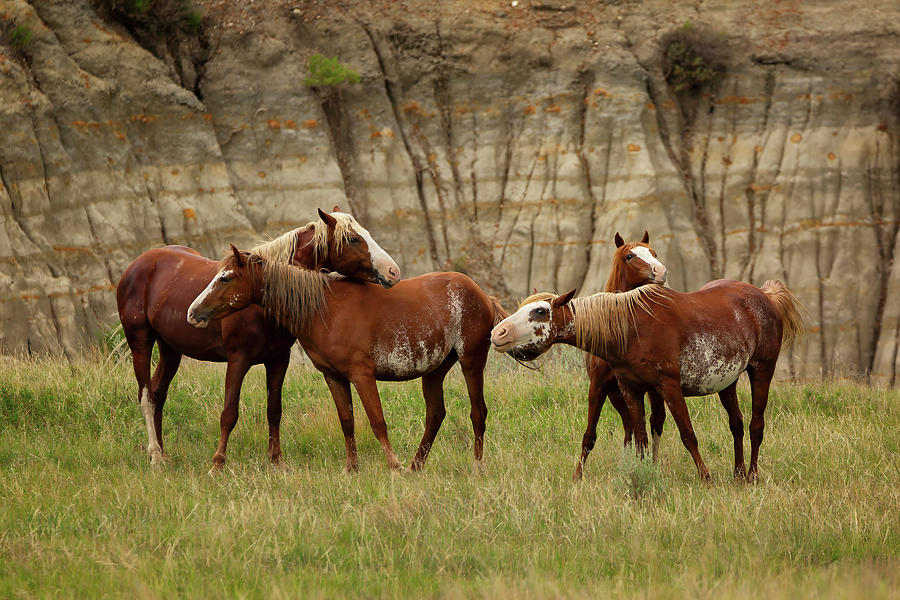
(156, 290)
(355, 332)
(673, 344)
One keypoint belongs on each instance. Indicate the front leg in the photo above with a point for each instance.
(234, 379)
(275, 372)
(368, 394)
(340, 392)
(634, 399)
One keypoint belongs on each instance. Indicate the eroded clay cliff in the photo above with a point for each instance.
(511, 142)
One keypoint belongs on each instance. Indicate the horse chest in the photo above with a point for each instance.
(710, 363)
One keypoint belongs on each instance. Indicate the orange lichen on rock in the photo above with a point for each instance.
(189, 213)
(290, 124)
(831, 156)
(530, 110)
(274, 124)
(634, 148)
(553, 108)
(310, 123)
(796, 138)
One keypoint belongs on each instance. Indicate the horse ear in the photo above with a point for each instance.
(336, 209)
(619, 241)
(534, 291)
(646, 238)
(326, 218)
(237, 256)
(564, 299)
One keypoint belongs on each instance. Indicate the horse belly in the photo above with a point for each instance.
(711, 363)
(408, 358)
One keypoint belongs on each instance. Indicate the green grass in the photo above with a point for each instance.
(82, 513)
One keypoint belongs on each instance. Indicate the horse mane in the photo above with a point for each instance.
(602, 320)
(291, 295)
(546, 296)
(283, 248)
(614, 282)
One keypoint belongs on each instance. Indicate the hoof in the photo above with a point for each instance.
(351, 469)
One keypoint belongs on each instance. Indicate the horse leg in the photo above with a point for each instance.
(729, 400)
(340, 392)
(275, 372)
(234, 379)
(169, 360)
(368, 394)
(657, 418)
(635, 402)
(674, 399)
(596, 397)
(760, 379)
(433, 391)
(472, 365)
(140, 340)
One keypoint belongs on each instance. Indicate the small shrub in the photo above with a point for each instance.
(692, 61)
(328, 72)
(20, 37)
(640, 477)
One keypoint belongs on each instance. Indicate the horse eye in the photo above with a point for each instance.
(354, 241)
(225, 278)
(540, 311)
(629, 257)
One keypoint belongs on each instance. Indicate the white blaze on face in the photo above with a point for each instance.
(521, 328)
(656, 267)
(200, 298)
(381, 260)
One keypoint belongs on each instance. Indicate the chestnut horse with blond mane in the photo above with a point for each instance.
(156, 289)
(673, 344)
(633, 265)
(355, 332)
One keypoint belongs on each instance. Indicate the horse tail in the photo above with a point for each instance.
(499, 312)
(788, 307)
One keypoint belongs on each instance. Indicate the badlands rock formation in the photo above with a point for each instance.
(510, 142)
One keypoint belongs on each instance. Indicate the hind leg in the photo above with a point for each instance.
(169, 360)
(657, 418)
(340, 392)
(634, 400)
(472, 364)
(433, 391)
(234, 378)
(140, 340)
(729, 400)
(760, 379)
(275, 372)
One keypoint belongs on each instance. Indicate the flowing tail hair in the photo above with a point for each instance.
(793, 325)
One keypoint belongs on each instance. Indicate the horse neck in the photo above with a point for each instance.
(604, 323)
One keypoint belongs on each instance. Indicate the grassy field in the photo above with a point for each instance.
(83, 514)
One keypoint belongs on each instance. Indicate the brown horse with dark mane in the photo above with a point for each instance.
(673, 344)
(633, 265)
(156, 289)
(358, 333)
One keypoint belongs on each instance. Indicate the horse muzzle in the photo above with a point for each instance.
(198, 318)
(387, 276)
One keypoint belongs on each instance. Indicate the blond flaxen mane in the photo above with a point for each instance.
(602, 321)
(293, 295)
(283, 248)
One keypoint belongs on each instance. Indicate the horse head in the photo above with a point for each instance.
(236, 285)
(540, 321)
(634, 265)
(349, 249)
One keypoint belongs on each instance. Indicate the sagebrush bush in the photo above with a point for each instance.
(328, 72)
(692, 60)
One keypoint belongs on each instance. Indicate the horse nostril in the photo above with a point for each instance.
(392, 271)
(500, 333)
